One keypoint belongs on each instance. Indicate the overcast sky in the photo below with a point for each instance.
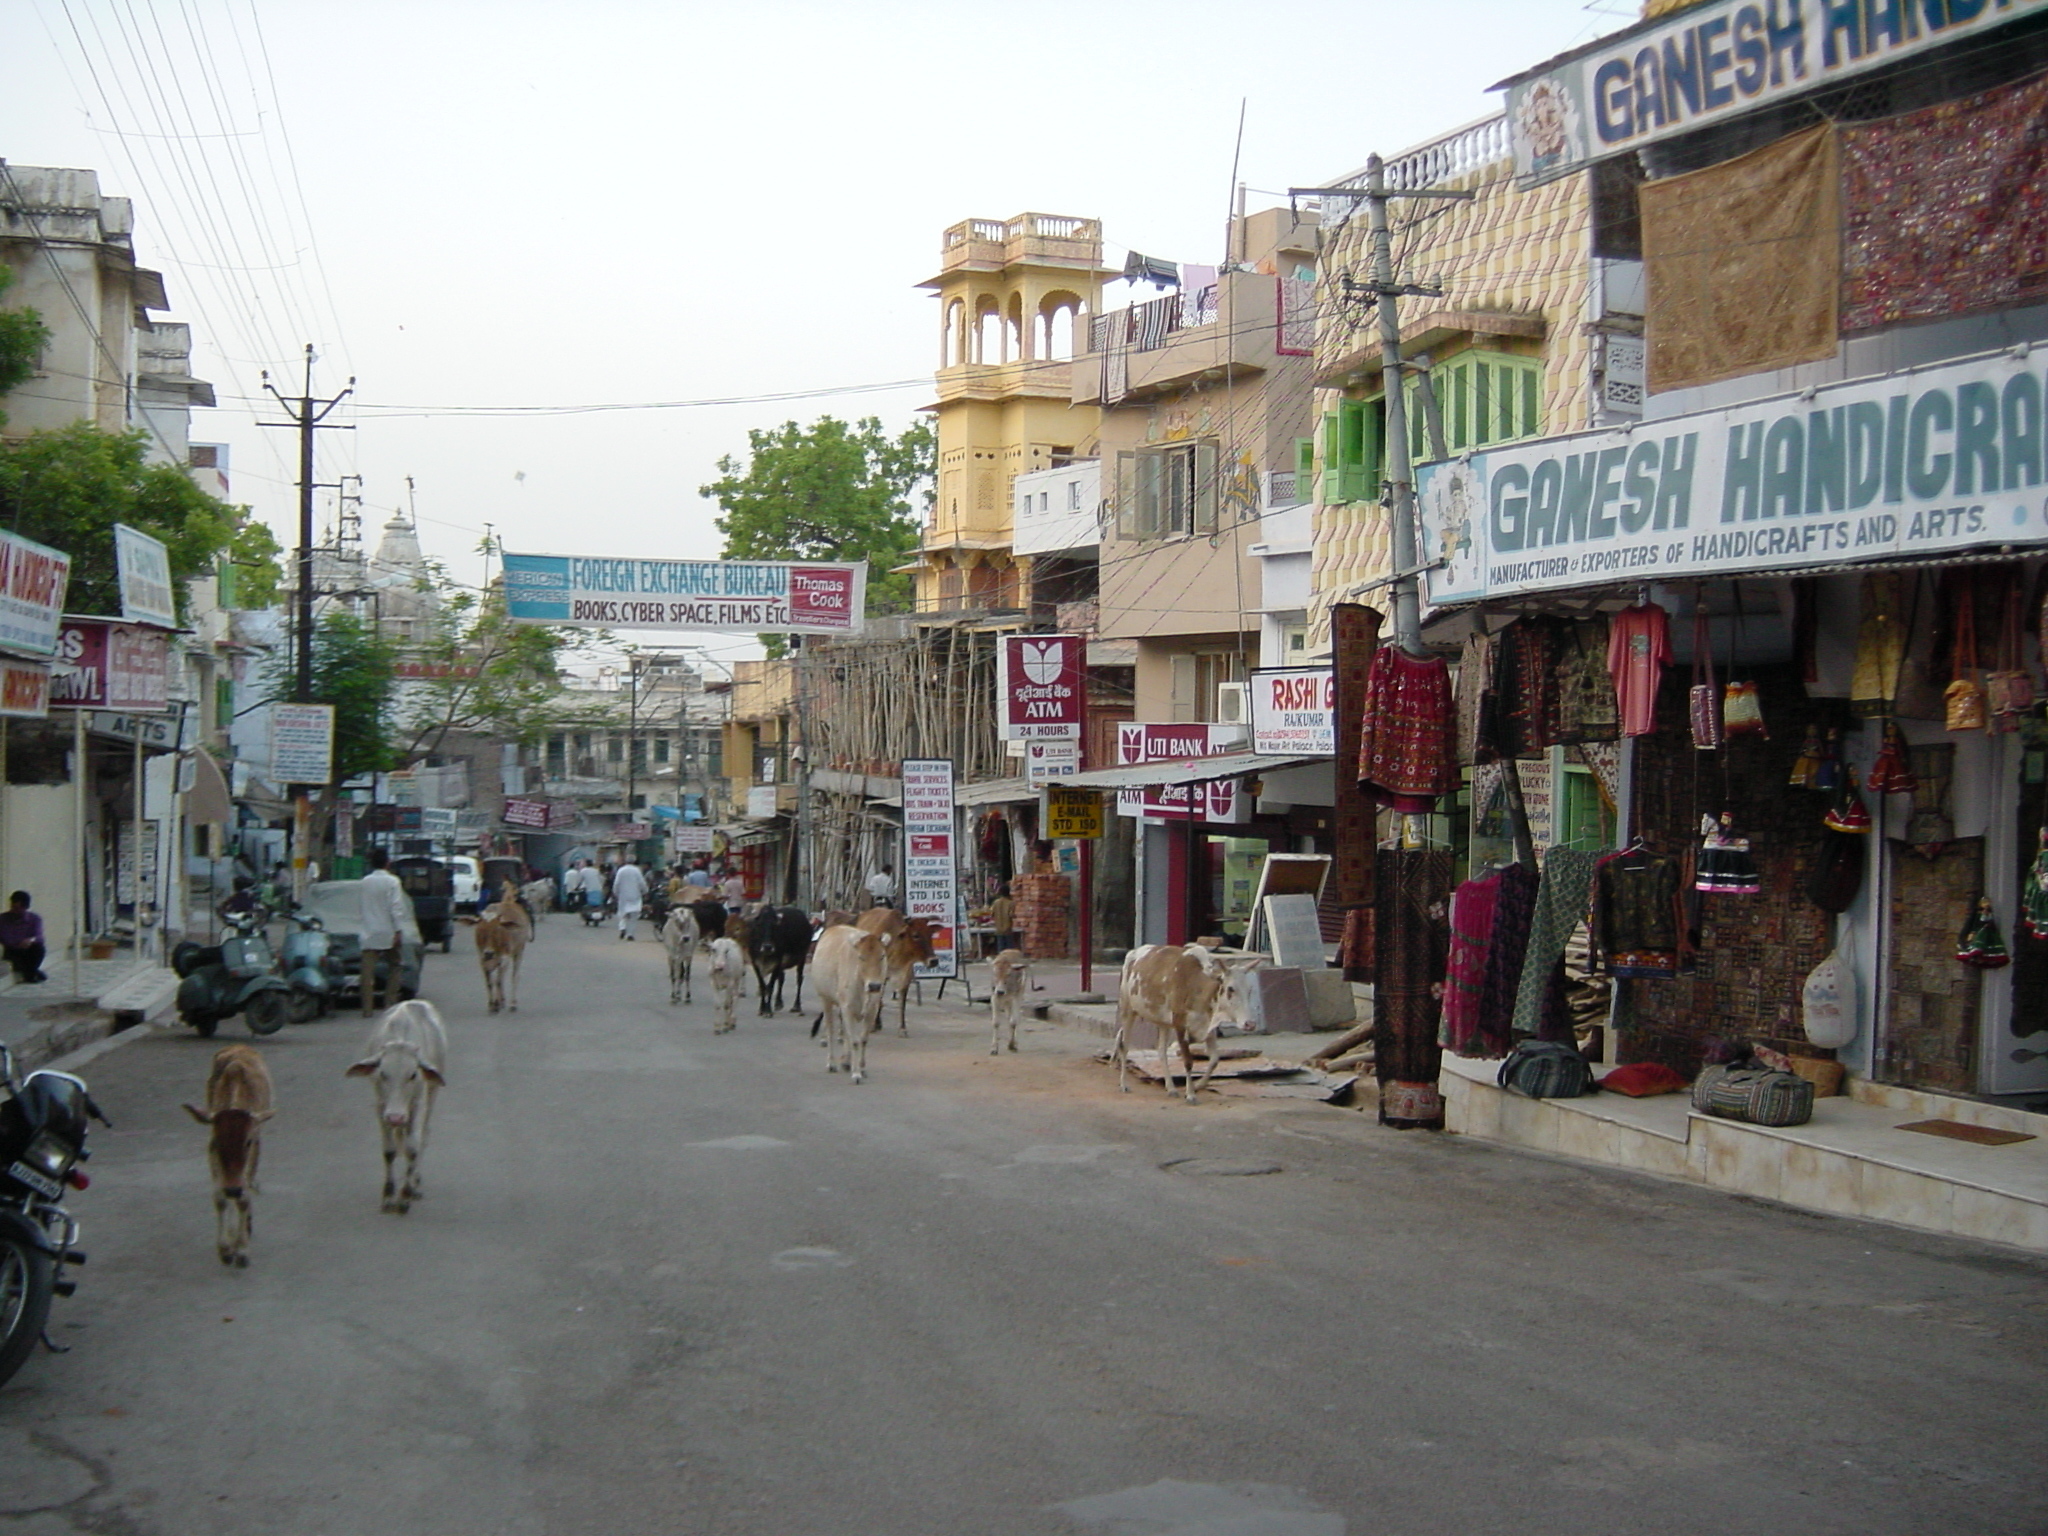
(519, 205)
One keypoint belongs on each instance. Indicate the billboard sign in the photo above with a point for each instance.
(1918, 465)
(144, 568)
(1045, 761)
(736, 596)
(101, 664)
(1042, 687)
(24, 689)
(1294, 712)
(1071, 812)
(1711, 62)
(930, 878)
(1212, 800)
(33, 581)
(531, 814)
(301, 743)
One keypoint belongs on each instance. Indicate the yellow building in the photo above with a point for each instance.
(1012, 296)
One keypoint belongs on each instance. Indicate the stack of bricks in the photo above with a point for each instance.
(1042, 903)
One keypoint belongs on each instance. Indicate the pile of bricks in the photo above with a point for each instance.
(1042, 906)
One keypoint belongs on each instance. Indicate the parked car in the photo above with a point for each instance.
(469, 879)
(339, 906)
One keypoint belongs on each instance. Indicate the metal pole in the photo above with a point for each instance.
(80, 772)
(1400, 476)
(1087, 914)
(135, 869)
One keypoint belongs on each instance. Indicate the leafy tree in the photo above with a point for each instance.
(830, 491)
(22, 339)
(478, 671)
(67, 487)
(355, 670)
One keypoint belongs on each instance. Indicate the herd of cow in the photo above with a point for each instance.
(857, 965)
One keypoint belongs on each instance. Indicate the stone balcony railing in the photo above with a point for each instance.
(1447, 157)
(997, 243)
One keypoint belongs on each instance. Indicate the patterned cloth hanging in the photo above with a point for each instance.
(1407, 747)
(1412, 890)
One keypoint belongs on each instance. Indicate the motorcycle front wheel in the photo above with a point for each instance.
(267, 1011)
(25, 1279)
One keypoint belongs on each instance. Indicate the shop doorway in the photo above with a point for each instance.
(1929, 1031)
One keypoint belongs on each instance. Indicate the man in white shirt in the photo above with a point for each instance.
(882, 887)
(629, 894)
(387, 923)
(583, 886)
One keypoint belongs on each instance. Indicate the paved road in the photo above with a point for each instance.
(670, 1282)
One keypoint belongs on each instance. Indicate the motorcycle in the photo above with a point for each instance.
(42, 1142)
(303, 960)
(237, 975)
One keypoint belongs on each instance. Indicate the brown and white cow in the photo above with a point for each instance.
(680, 937)
(237, 1104)
(405, 1061)
(502, 934)
(1187, 995)
(910, 945)
(847, 973)
(728, 981)
(1012, 979)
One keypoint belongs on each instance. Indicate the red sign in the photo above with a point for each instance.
(104, 665)
(1213, 800)
(1043, 687)
(825, 596)
(24, 689)
(935, 845)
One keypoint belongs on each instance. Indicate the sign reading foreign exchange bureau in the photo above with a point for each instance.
(742, 596)
(1923, 464)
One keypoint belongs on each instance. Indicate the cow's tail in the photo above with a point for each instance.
(816, 1024)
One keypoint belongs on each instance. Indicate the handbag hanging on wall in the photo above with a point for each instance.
(1705, 700)
(1963, 700)
(1742, 709)
(2009, 691)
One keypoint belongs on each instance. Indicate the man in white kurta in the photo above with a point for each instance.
(387, 922)
(629, 894)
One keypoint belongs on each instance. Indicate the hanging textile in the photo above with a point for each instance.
(1514, 912)
(1638, 651)
(1412, 915)
(1743, 263)
(1408, 743)
(1562, 900)
(1945, 210)
(1478, 700)
(1473, 907)
(1354, 633)
(1637, 916)
(1587, 709)
(1892, 651)
(1526, 676)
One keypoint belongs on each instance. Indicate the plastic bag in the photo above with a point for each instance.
(1828, 1001)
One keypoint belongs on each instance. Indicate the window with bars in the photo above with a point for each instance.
(1168, 491)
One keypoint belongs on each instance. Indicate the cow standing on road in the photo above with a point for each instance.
(405, 1061)
(780, 942)
(679, 936)
(850, 968)
(728, 982)
(1187, 994)
(1006, 996)
(237, 1104)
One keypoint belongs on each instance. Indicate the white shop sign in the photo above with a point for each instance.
(931, 882)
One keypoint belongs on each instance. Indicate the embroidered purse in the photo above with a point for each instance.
(1742, 711)
(1705, 701)
(1963, 700)
(2010, 690)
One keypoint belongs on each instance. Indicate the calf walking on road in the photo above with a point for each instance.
(237, 1104)
(679, 936)
(728, 982)
(502, 934)
(404, 1061)
(1006, 996)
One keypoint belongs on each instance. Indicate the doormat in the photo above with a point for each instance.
(1956, 1130)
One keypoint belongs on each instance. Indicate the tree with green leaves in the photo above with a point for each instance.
(478, 671)
(356, 670)
(831, 491)
(68, 487)
(22, 339)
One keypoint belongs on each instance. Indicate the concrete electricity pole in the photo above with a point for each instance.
(307, 420)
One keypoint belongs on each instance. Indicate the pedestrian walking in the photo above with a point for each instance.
(629, 894)
(387, 923)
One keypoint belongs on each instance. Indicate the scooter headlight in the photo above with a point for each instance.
(48, 1155)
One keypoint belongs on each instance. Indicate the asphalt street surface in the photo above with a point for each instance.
(666, 1281)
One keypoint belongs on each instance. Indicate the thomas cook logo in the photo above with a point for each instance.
(1044, 661)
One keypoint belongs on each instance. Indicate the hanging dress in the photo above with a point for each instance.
(1407, 749)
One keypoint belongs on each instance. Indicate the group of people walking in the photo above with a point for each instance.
(626, 885)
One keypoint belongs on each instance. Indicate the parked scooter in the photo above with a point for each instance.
(42, 1142)
(303, 961)
(237, 975)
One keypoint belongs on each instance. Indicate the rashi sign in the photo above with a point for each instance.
(1294, 712)
(1213, 800)
(742, 596)
(1713, 61)
(1042, 687)
(1927, 463)
(33, 581)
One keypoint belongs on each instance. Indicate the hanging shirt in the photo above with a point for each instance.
(1638, 651)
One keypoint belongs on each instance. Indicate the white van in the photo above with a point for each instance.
(469, 877)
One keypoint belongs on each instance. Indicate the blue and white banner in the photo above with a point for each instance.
(737, 596)
(1928, 463)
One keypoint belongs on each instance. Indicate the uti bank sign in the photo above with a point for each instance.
(1926, 463)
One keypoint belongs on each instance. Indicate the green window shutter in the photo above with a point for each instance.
(1304, 467)
(1532, 400)
(1205, 498)
(1127, 495)
(1373, 453)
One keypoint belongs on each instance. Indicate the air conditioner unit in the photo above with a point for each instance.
(1233, 704)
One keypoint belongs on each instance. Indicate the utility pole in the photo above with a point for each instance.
(307, 420)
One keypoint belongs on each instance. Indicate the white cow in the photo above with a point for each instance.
(1187, 994)
(405, 1060)
(1012, 980)
(728, 981)
(680, 937)
(847, 972)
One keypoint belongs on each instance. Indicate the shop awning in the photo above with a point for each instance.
(1199, 770)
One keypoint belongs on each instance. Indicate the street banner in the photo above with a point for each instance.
(144, 568)
(1916, 465)
(1710, 62)
(1294, 711)
(100, 664)
(1045, 761)
(1072, 812)
(531, 814)
(301, 743)
(1042, 687)
(1212, 800)
(24, 689)
(33, 581)
(931, 883)
(735, 596)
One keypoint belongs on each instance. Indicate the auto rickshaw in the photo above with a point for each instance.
(431, 885)
(497, 874)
